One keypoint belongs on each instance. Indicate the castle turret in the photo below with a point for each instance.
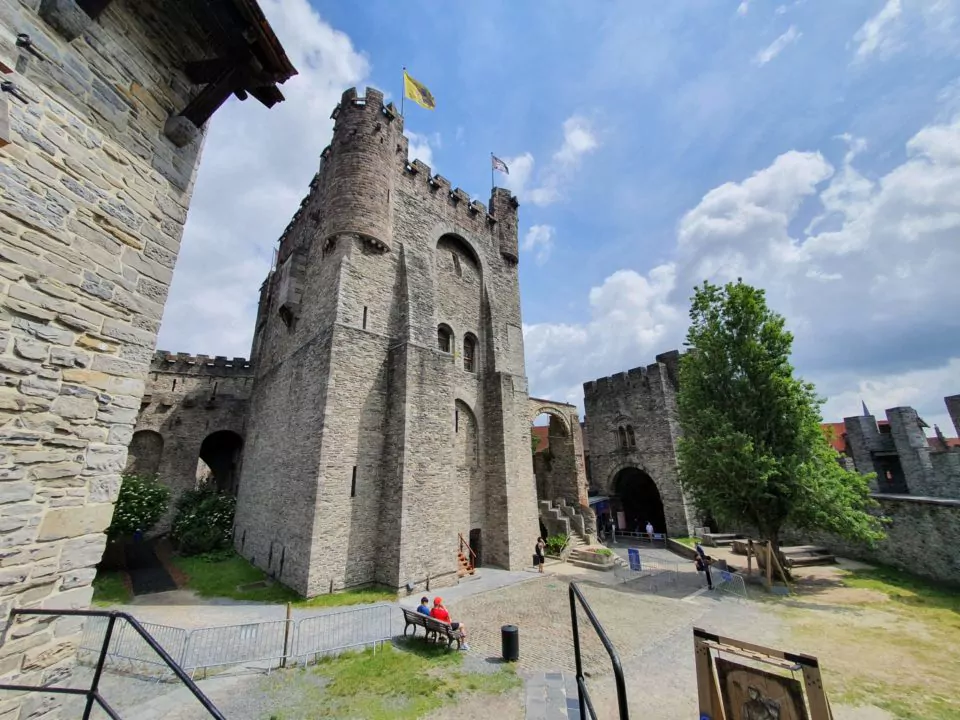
(358, 168)
(503, 207)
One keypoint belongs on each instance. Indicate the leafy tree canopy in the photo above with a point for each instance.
(752, 450)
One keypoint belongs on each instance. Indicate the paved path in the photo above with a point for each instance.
(551, 696)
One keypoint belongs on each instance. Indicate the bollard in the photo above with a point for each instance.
(510, 643)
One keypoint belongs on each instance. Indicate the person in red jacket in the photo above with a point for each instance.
(440, 613)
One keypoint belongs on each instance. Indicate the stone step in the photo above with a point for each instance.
(810, 560)
(551, 696)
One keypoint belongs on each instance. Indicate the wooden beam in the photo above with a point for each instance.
(201, 72)
(93, 8)
(209, 100)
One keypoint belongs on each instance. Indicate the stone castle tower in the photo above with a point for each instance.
(388, 411)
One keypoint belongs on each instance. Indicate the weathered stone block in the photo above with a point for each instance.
(15, 491)
(82, 552)
(73, 408)
(75, 522)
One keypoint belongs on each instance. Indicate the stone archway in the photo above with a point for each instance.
(635, 494)
(558, 453)
(219, 461)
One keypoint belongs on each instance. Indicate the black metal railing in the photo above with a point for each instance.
(576, 596)
(93, 692)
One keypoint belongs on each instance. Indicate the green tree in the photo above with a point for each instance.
(534, 441)
(141, 503)
(752, 450)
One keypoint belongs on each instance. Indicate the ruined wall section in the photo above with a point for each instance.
(187, 399)
(645, 398)
(93, 199)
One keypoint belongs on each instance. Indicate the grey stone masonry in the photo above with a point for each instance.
(188, 398)
(389, 412)
(93, 200)
(901, 456)
(644, 401)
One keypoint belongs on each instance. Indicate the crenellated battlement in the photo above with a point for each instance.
(187, 364)
(621, 381)
(368, 141)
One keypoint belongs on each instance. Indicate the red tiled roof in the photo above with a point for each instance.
(542, 433)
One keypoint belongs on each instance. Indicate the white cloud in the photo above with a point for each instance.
(743, 7)
(875, 35)
(777, 46)
(539, 241)
(895, 26)
(548, 186)
(868, 284)
(922, 389)
(234, 223)
(421, 148)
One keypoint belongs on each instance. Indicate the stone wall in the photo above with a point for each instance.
(922, 538)
(93, 199)
(355, 470)
(560, 471)
(188, 398)
(953, 408)
(643, 399)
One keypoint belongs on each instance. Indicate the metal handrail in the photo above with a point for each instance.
(583, 695)
(93, 693)
(473, 555)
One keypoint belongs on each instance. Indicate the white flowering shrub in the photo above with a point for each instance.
(141, 503)
(204, 521)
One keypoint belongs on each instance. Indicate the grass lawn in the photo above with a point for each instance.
(688, 541)
(109, 589)
(222, 578)
(391, 684)
(893, 646)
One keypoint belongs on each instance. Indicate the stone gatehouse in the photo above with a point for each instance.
(632, 430)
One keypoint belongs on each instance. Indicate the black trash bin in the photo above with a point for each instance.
(510, 643)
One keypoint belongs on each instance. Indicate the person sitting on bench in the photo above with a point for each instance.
(440, 613)
(424, 608)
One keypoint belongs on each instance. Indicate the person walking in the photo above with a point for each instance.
(538, 558)
(650, 529)
(702, 563)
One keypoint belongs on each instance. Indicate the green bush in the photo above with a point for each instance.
(605, 552)
(204, 522)
(141, 503)
(555, 543)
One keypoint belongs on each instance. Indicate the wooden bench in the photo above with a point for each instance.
(434, 630)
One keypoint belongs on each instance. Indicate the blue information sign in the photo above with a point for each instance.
(634, 556)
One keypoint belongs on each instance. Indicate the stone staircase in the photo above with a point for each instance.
(465, 568)
(585, 557)
(805, 555)
(563, 518)
(551, 696)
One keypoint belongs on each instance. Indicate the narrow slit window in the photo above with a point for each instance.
(631, 437)
(456, 421)
(469, 353)
(622, 434)
(457, 268)
(364, 317)
(353, 483)
(174, 384)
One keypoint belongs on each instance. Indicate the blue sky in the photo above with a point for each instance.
(811, 147)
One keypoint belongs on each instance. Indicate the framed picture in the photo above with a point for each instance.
(749, 693)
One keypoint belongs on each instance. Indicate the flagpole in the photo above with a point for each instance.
(403, 92)
(493, 183)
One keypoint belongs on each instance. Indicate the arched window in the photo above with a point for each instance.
(469, 353)
(622, 435)
(631, 437)
(444, 336)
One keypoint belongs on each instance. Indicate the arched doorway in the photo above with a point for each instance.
(143, 456)
(553, 455)
(638, 499)
(219, 462)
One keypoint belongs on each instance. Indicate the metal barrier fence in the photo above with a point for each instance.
(641, 538)
(264, 645)
(731, 583)
(644, 566)
(323, 634)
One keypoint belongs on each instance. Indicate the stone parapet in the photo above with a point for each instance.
(186, 364)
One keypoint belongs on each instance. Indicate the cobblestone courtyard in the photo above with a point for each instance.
(856, 634)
